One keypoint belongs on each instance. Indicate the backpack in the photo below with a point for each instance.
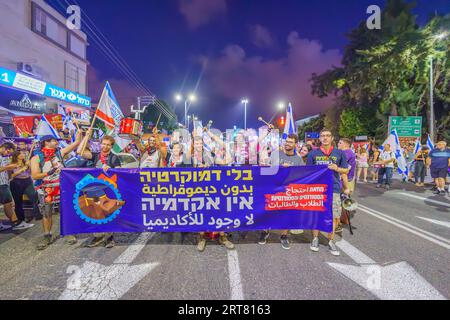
(40, 154)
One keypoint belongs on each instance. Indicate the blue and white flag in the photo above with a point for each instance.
(68, 123)
(289, 127)
(430, 144)
(417, 146)
(394, 142)
(45, 128)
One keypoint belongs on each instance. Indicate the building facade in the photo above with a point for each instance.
(43, 64)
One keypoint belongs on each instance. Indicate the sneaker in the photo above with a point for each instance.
(110, 243)
(22, 226)
(227, 243)
(201, 245)
(263, 237)
(387, 187)
(45, 242)
(315, 245)
(285, 242)
(333, 248)
(4, 227)
(339, 229)
(437, 192)
(97, 241)
(71, 240)
(378, 186)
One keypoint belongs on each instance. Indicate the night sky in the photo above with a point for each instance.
(225, 50)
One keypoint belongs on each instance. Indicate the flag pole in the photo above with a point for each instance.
(75, 120)
(157, 122)
(90, 131)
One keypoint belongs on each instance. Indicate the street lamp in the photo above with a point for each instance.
(440, 36)
(245, 102)
(191, 98)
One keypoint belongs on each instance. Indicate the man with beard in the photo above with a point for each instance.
(336, 161)
(151, 155)
(46, 167)
(105, 160)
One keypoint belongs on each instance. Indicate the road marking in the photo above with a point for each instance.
(358, 256)
(444, 204)
(134, 249)
(438, 222)
(445, 243)
(235, 276)
(398, 281)
(94, 281)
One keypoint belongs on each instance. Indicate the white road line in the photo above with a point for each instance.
(235, 276)
(134, 249)
(444, 204)
(445, 243)
(438, 222)
(358, 256)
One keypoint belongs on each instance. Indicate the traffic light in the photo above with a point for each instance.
(281, 122)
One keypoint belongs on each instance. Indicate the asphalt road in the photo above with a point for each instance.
(400, 250)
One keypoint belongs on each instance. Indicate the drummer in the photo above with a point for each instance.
(152, 155)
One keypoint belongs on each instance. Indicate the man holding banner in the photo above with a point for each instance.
(105, 160)
(336, 160)
(46, 167)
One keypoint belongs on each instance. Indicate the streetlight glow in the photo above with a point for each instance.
(442, 35)
(178, 97)
(281, 105)
(193, 98)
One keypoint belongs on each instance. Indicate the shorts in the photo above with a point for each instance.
(438, 173)
(363, 165)
(337, 206)
(45, 208)
(5, 194)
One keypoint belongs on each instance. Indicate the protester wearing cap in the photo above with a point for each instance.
(46, 167)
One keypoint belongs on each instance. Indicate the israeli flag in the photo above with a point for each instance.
(417, 146)
(394, 142)
(399, 155)
(289, 127)
(46, 129)
(430, 144)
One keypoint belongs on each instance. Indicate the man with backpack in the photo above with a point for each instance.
(105, 160)
(386, 159)
(46, 167)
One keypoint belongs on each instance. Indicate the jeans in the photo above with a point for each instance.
(19, 187)
(385, 171)
(419, 172)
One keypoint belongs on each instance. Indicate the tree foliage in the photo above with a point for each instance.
(387, 73)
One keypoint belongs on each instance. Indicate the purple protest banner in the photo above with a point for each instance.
(193, 200)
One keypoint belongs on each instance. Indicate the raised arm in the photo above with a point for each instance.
(72, 146)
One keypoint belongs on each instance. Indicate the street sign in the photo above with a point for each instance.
(406, 126)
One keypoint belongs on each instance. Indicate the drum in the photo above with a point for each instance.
(130, 128)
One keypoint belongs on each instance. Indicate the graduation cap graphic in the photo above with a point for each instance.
(94, 191)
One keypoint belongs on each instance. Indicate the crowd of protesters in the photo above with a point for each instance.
(34, 174)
